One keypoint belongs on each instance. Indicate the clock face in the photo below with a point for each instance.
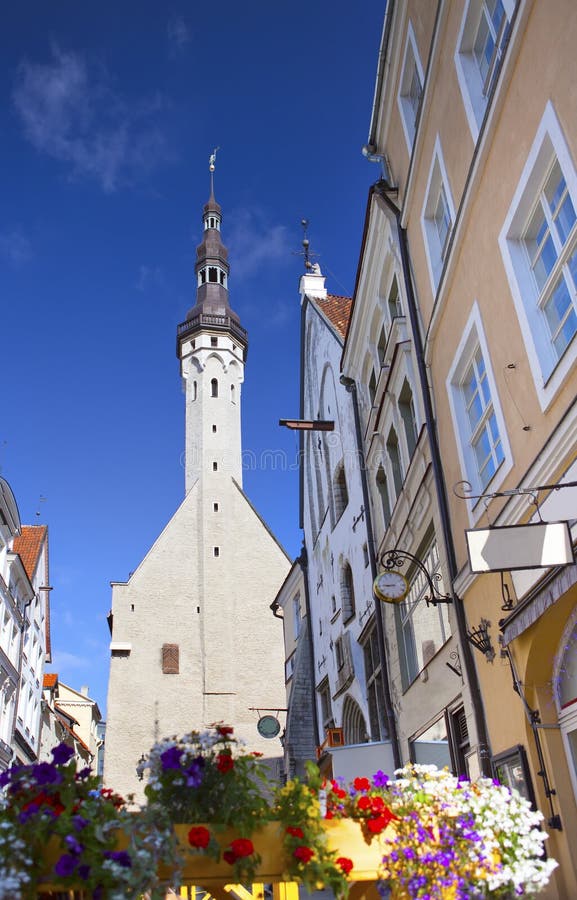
(391, 586)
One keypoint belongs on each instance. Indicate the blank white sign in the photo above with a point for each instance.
(538, 545)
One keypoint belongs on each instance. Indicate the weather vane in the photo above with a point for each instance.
(211, 167)
(309, 266)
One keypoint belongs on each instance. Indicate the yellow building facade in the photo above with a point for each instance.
(474, 127)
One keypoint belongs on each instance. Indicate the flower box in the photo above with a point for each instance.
(343, 835)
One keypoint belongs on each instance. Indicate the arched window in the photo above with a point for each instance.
(214, 388)
(232, 393)
(354, 725)
(372, 387)
(565, 681)
(383, 490)
(407, 411)
(213, 274)
(395, 457)
(340, 491)
(194, 390)
(347, 593)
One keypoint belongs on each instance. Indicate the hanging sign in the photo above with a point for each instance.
(534, 546)
(268, 726)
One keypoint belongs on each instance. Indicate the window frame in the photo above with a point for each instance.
(472, 85)
(548, 369)
(474, 336)
(437, 185)
(410, 115)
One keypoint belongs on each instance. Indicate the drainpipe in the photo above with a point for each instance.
(382, 188)
(351, 387)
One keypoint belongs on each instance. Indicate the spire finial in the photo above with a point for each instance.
(211, 168)
(306, 252)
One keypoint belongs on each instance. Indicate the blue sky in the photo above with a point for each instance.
(108, 116)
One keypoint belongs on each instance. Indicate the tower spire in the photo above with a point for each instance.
(211, 168)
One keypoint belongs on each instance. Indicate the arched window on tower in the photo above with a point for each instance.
(340, 491)
(213, 274)
(347, 593)
(203, 276)
(232, 394)
(214, 388)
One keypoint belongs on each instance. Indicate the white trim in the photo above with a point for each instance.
(437, 174)
(548, 374)
(124, 646)
(466, 67)
(473, 337)
(409, 128)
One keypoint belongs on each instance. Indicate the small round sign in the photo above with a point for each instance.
(268, 726)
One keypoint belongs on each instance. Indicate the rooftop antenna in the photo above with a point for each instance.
(309, 266)
(211, 168)
(41, 499)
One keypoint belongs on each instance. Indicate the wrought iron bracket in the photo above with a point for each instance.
(397, 559)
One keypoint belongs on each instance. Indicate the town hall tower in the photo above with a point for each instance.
(194, 640)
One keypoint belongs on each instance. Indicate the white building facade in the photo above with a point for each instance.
(194, 640)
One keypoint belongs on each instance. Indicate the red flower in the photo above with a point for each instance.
(303, 854)
(329, 814)
(229, 857)
(379, 823)
(296, 832)
(364, 803)
(199, 836)
(241, 847)
(224, 762)
(344, 864)
(362, 784)
(225, 729)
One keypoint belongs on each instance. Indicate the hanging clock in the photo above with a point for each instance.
(391, 586)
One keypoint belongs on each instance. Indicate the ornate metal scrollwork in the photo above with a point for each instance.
(397, 559)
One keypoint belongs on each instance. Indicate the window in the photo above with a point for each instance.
(194, 390)
(395, 458)
(394, 301)
(215, 467)
(384, 495)
(539, 246)
(480, 49)
(477, 419)
(213, 274)
(324, 693)
(215, 507)
(347, 593)
(372, 387)
(422, 629)
(366, 559)
(214, 429)
(232, 393)
(339, 653)
(170, 659)
(484, 438)
(340, 491)
(213, 341)
(437, 217)
(374, 684)
(407, 411)
(214, 387)
(410, 88)
(431, 746)
(296, 616)
(216, 551)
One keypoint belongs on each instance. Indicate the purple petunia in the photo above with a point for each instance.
(170, 759)
(83, 872)
(46, 773)
(79, 822)
(73, 845)
(380, 779)
(65, 865)
(61, 754)
(194, 772)
(119, 856)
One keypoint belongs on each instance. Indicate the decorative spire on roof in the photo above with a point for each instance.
(212, 308)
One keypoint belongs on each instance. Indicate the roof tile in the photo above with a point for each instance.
(337, 309)
(28, 546)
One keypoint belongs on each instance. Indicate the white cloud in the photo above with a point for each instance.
(62, 661)
(69, 111)
(178, 35)
(15, 247)
(150, 278)
(253, 243)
